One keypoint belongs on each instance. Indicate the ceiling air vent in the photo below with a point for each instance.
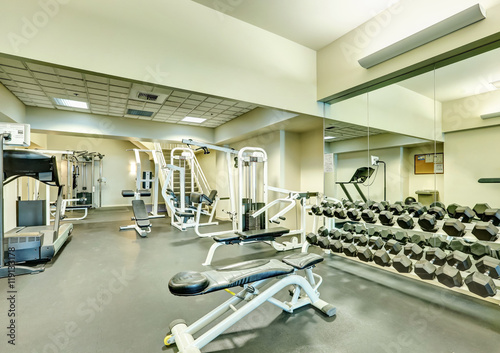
(139, 112)
(147, 96)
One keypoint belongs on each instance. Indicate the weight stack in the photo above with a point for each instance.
(250, 223)
(84, 195)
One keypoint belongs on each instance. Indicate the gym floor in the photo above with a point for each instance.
(107, 291)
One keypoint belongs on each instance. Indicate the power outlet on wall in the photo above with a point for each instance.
(374, 160)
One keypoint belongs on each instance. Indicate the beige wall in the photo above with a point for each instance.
(470, 155)
(338, 69)
(11, 108)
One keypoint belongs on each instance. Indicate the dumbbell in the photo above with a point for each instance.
(406, 221)
(480, 208)
(438, 241)
(419, 239)
(348, 204)
(328, 212)
(438, 204)
(425, 269)
(481, 282)
(487, 230)
(449, 273)
(354, 214)
(317, 210)
(368, 216)
(340, 213)
(373, 232)
(386, 218)
(348, 227)
(365, 252)
(455, 227)
(460, 245)
(382, 258)
(428, 221)
(313, 238)
(451, 209)
(378, 207)
(346, 247)
(479, 249)
(401, 236)
(387, 234)
(360, 228)
(396, 209)
(402, 262)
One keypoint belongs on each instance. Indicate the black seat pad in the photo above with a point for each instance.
(128, 193)
(196, 283)
(78, 206)
(229, 239)
(302, 260)
(184, 214)
(263, 233)
(140, 213)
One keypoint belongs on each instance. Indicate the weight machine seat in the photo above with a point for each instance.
(253, 235)
(192, 283)
(131, 193)
(196, 197)
(140, 214)
(184, 214)
(77, 207)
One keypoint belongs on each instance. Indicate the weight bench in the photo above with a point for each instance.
(252, 276)
(142, 224)
(258, 235)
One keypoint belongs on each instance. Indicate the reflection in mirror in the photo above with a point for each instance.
(399, 123)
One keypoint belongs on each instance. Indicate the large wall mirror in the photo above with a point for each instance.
(436, 135)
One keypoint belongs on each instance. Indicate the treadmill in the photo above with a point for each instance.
(34, 243)
(359, 177)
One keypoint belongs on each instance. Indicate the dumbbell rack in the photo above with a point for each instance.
(495, 246)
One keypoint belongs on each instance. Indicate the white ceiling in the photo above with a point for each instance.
(312, 23)
(37, 85)
(344, 131)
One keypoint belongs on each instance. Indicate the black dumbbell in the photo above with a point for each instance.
(418, 238)
(455, 227)
(365, 252)
(348, 204)
(354, 214)
(451, 209)
(449, 273)
(340, 213)
(426, 269)
(439, 212)
(378, 207)
(313, 238)
(386, 234)
(438, 241)
(382, 258)
(439, 204)
(460, 245)
(402, 262)
(348, 227)
(479, 249)
(373, 232)
(428, 222)
(480, 208)
(317, 210)
(368, 216)
(487, 230)
(349, 249)
(406, 221)
(360, 228)
(337, 234)
(386, 218)
(396, 209)
(401, 236)
(328, 212)
(481, 282)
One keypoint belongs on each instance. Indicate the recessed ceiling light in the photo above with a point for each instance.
(330, 137)
(192, 119)
(71, 103)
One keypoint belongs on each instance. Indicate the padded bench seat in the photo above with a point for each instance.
(192, 283)
(78, 207)
(253, 235)
(140, 214)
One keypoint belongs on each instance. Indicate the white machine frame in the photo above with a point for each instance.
(305, 292)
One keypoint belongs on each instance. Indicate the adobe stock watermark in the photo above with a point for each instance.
(31, 26)
(86, 312)
(369, 30)
(224, 7)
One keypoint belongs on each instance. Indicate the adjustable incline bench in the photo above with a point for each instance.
(252, 276)
(142, 224)
(257, 235)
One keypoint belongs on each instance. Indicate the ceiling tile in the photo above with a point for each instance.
(72, 81)
(16, 71)
(33, 92)
(69, 73)
(50, 84)
(40, 68)
(213, 100)
(95, 78)
(119, 89)
(99, 92)
(29, 86)
(11, 62)
(121, 83)
(46, 77)
(23, 79)
(118, 95)
(197, 97)
(97, 85)
(180, 94)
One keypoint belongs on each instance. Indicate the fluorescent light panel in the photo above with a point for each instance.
(330, 137)
(490, 116)
(449, 25)
(71, 103)
(192, 119)
(496, 84)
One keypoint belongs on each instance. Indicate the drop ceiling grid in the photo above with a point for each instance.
(37, 85)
